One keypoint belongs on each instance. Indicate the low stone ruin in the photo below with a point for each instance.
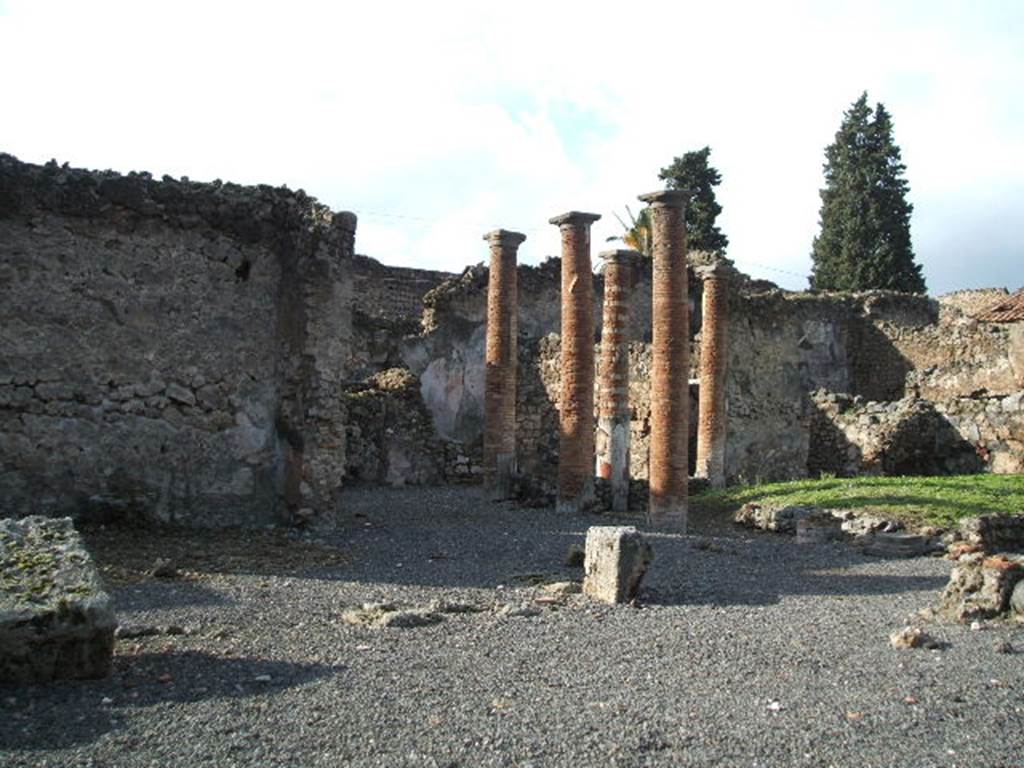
(615, 562)
(988, 579)
(775, 518)
(56, 621)
(984, 587)
(876, 536)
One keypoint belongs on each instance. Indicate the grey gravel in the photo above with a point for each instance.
(743, 650)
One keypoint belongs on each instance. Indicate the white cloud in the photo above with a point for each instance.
(462, 116)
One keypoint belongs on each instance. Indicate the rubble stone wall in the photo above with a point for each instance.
(878, 346)
(170, 349)
(382, 291)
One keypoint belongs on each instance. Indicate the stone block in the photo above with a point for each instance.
(818, 528)
(616, 560)
(56, 621)
(897, 545)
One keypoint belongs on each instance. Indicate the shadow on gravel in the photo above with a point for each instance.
(764, 569)
(453, 538)
(126, 554)
(165, 594)
(65, 714)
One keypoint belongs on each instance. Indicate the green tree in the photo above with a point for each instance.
(691, 171)
(864, 241)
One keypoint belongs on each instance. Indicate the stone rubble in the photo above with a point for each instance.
(912, 637)
(984, 587)
(995, 533)
(876, 536)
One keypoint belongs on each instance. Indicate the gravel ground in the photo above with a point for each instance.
(747, 650)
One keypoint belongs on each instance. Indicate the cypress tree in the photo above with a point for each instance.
(692, 171)
(864, 241)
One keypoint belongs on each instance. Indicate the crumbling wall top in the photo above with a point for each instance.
(252, 214)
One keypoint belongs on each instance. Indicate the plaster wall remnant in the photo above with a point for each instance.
(711, 429)
(170, 349)
(576, 402)
(613, 420)
(501, 361)
(670, 400)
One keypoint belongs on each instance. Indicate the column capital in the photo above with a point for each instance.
(574, 218)
(715, 270)
(620, 256)
(505, 237)
(667, 198)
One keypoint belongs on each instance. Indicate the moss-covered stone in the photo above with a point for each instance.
(56, 621)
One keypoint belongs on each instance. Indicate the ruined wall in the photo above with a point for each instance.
(170, 349)
(391, 439)
(993, 425)
(448, 358)
(851, 436)
(878, 346)
(382, 291)
(958, 356)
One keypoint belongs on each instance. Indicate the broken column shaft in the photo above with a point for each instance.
(576, 401)
(713, 352)
(670, 395)
(500, 359)
(613, 377)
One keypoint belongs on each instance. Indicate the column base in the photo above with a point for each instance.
(669, 515)
(502, 486)
(582, 502)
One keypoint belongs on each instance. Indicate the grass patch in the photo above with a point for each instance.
(939, 501)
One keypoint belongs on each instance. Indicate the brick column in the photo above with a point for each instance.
(670, 393)
(714, 347)
(576, 400)
(500, 358)
(613, 376)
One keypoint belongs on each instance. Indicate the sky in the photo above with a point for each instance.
(437, 122)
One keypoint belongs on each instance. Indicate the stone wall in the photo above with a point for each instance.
(878, 346)
(393, 293)
(851, 437)
(391, 439)
(170, 349)
(993, 425)
(959, 356)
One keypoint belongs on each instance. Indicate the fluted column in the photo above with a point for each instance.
(670, 396)
(613, 376)
(501, 358)
(714, 348)
(576, 400)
